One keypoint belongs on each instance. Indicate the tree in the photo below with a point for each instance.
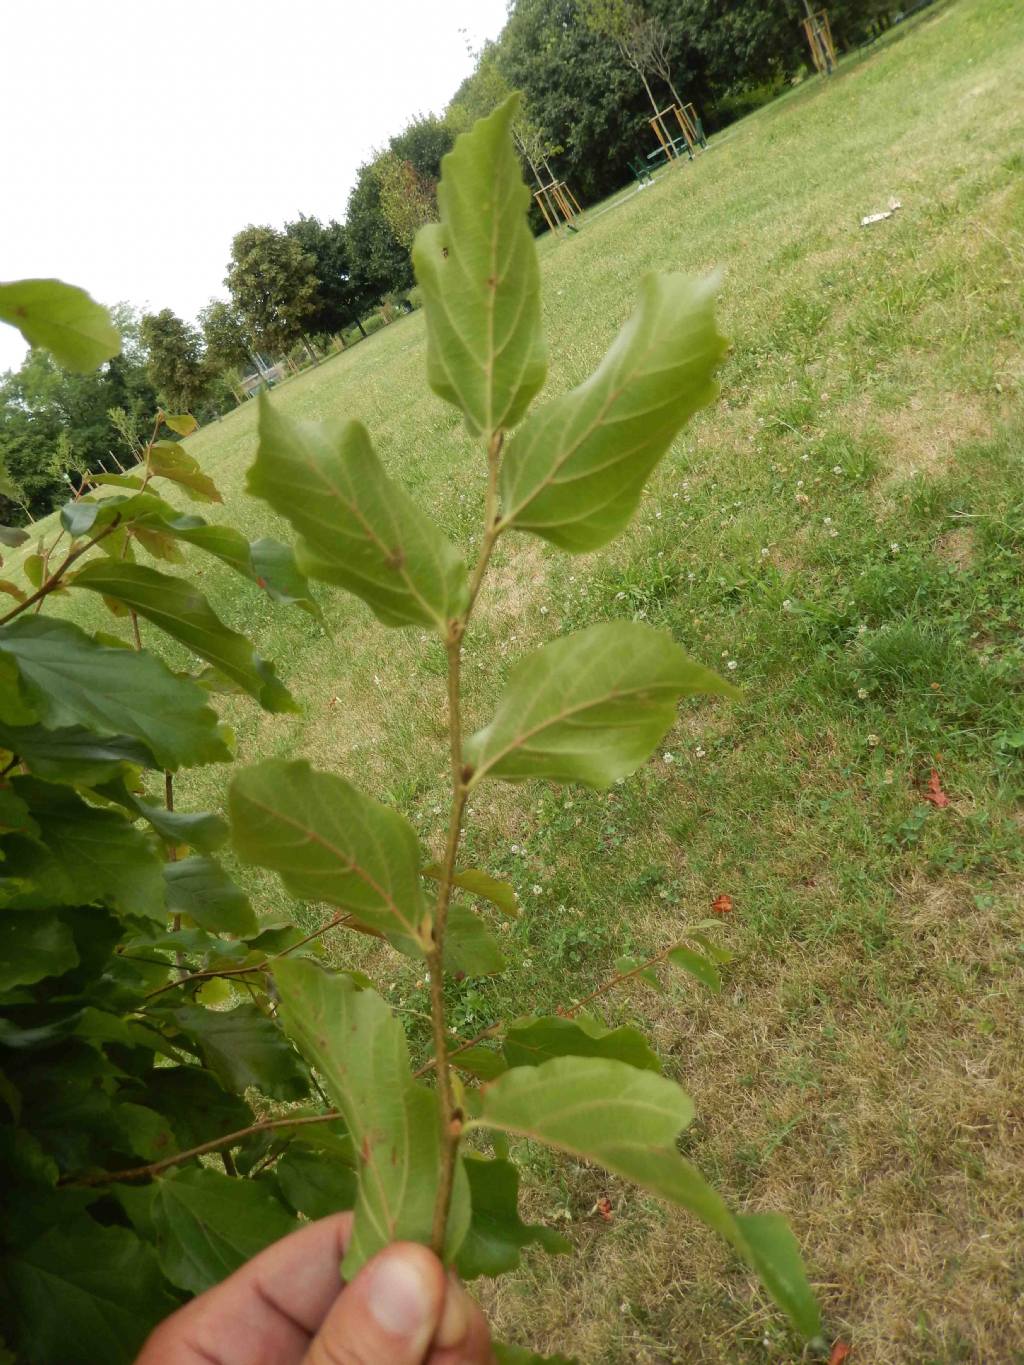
(53, 419)
(379, 262)
(624, 23)
(408, 199)
(227, 345)
(175, 360)
(338, 302)
(273, 286)
(654, 48)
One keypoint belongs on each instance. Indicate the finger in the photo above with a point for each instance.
(390, 1312)
(266, 1311)
(463, 1336)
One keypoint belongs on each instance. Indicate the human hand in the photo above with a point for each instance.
(288, 1306)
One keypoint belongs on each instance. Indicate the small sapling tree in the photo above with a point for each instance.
(157, 1139)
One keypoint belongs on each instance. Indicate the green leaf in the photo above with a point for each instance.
(195, 1102)
(358, 528)
(469, 946)
(329, 842)
(359, 1049)
(314, 1184)
(63, 318)
(204, 830)
(72, 753)
(208, 1224)
(477, 883)
(575, 472)
(117, 480)
(13, 590)
(183, 612)
(627, 1121)
(242, 1047)
(199, 887)
(33, 946)
(86, 854)
(481, 282)
(33, 566)
(82, 1291)
(267, 563)
(15, 817)
(533, 1040)
(496, 1233)
(182, 422)
(168, 460)
(482, 1062)
(589, 707)
(696, 965)
(67, 679)
(13, 536)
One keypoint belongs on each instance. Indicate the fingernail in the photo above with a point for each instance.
(455, 1318)
(400, 1298)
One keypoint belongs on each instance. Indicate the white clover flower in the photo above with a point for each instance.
(669, 758)
(895, 547)
(690, 577)
(862, 629)
(537, 890)
(619, 596)
(827, 521)
(787, 605)
(731, 665)
(799, 483)
(837, 469)
(765, 552)
(543, 611)
(805, 458)
(874, 741)
(862, 692)
(833, 533)
(699, 752)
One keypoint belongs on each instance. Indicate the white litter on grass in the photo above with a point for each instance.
(870, 218)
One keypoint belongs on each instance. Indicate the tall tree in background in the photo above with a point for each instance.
(577, 89)
(175, 361)
(224, 335)
(654, 44)
(408, 199)
(624, 24)
(273, 285)
(338, 302)
(53, 419)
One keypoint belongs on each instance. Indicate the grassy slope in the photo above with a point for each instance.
(847, 520)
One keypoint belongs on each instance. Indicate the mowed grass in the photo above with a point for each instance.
(846, 526)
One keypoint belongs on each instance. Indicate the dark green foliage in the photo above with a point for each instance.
(175, 361)
(273, 285)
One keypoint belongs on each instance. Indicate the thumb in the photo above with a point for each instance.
(390, 1311)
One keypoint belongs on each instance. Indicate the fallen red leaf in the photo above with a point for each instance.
(839, 1353)
(604, 1208)
(722, 904)
(935, 794)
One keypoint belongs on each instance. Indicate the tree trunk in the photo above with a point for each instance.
(650, 96)
(362, 329)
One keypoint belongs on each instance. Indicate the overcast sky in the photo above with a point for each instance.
(140, 135)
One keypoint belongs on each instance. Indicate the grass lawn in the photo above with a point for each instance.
(846, 525)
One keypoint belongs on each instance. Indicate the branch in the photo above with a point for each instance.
(253, 967)
(54, 580)
(228, 1140)
(452, 1115)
